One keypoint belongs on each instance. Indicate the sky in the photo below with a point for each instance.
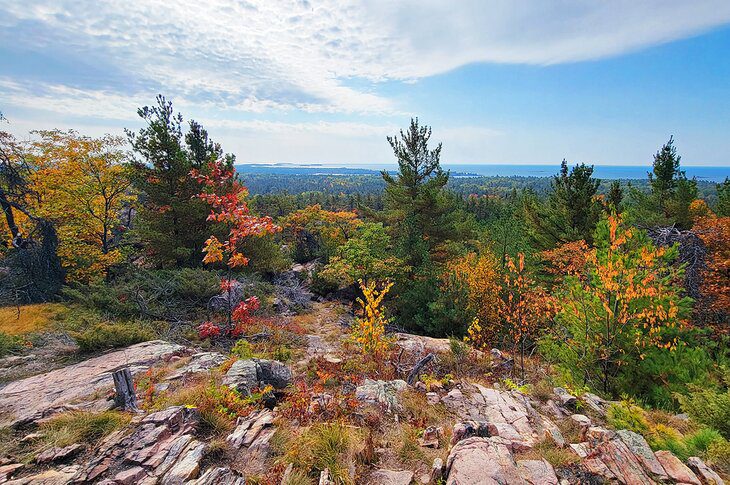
(298, 81)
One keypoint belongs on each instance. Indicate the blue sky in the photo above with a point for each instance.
(518, 82)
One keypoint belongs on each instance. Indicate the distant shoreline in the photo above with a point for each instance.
(607, 172)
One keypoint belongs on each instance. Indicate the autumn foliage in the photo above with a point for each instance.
(625, 303)
(526, 309)
(369, 330)
(226, 196)
(715, 234)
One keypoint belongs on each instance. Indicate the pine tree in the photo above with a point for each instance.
(663, 180)
(571, 211)
(723, 198)
(615, 197)
(172, 222)
(414, 198)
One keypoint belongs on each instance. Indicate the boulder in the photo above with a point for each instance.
(30, 399)
(242, 376)
(640, 448)
(677, 471)
(565, 398)
(48, 477)
(537, 472)
(58, 454)
(158, 448)
(391, 477)
(416, 344)
(246, 374)
(219, 476)
(6, 471)
(597, 404)
(430, 438)
(381, 392)
(468, 429)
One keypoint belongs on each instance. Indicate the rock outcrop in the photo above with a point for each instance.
(161, 448)
(77, 386)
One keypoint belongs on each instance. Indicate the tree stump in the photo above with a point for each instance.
(126, 398)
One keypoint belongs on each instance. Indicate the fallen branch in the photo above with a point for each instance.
(413, 375)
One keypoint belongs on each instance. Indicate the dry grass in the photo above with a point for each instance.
(28, 318)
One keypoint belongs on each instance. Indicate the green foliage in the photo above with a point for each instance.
(709, 406)
(660, 375)
(365, 256)
(570, 212)
(150, 294)
(722, 208)
(104, 336)
(323, 446)
(172, 222)
(10, 344)
(671, 193)
(627, 414)
(626, 305)
(243, 349)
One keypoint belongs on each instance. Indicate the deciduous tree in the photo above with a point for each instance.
(628, 300)
(227, 198)
(83, 189)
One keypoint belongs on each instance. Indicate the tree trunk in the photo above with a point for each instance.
(126, 398)
(9, 217)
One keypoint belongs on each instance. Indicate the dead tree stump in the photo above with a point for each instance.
(126, 398)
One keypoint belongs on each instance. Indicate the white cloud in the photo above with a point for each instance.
(261, 55)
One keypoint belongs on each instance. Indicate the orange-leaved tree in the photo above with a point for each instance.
(526, 310)
(369, 330)
(627, 302)
(715, 290)
(226, 195)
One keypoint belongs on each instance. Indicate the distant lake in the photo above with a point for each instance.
(709, 174)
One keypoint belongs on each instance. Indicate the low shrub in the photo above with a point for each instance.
(627, 415)
(104, 336)
(409, 450)
(708, 406)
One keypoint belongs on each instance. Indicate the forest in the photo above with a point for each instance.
(619, 289)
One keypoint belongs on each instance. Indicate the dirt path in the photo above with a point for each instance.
(325, 331)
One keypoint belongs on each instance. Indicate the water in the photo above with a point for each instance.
(709, 174)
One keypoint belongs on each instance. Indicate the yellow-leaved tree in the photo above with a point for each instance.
(83, 189)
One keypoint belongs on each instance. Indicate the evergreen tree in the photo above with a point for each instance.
(414, 197)
(723, 198)
(615, 197)
(663, 180)
(571, 210)
(172, 222)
